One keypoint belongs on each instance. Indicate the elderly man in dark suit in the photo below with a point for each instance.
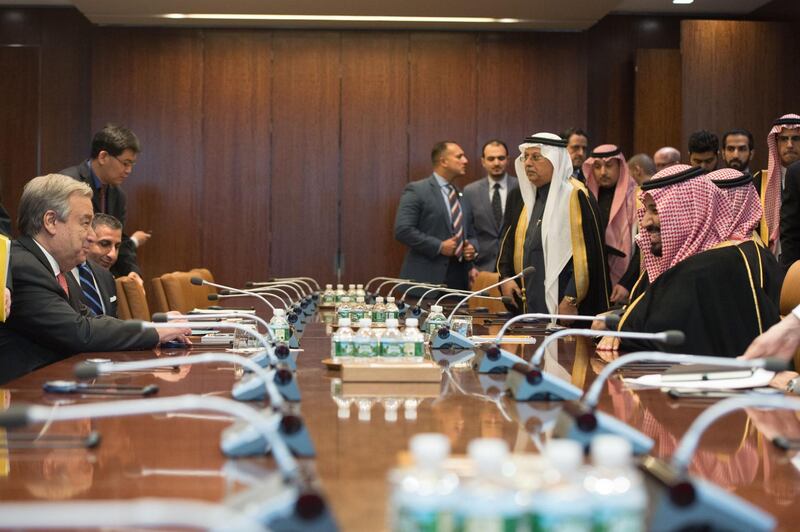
(435, 222)
(113, 156)
(488, 200)
(48, 321)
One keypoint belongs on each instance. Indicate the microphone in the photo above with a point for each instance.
(395, 282)
(306, 280)
(680, 501)
(527, 271)
(432, 288)
(417, 310)
(581, 421)
(267, 426)
(490, 358)
(528, 382)
(447, 338)
(395, 279)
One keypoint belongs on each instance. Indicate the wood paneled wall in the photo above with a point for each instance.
(739, 74)
(272, 153)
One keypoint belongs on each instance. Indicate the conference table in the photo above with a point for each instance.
(360, 431)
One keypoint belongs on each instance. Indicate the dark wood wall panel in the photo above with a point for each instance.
(305, 153)
(611, 48)
(19, 122)
(657, 101)
(518, 93)
(236, 147)
(66, 53)
(443, 98)
(739, 74)
(375, 78)
(151, 81)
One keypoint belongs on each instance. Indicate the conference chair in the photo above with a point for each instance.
(180, 294)
(131, 300)
(483, 280)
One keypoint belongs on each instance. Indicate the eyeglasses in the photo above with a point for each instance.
(126, 164)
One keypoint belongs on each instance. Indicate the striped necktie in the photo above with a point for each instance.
(90, 296)
(457, 217)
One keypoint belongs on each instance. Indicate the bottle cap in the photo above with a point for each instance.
(390, 299)
(611, 451)
(344, 322)
(564, 455)
(360, 299)
(488, 454)
(412, 322)
(279, 312)
(436, 308)
(328, 286)
(340, 286)
(364, 323)
(391, 322)
(429, 449)
(378, 300)
(359, 286)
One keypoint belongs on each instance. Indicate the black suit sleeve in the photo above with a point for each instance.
(790, 217)
(505, 258)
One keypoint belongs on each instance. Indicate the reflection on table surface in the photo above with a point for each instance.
(359, 428)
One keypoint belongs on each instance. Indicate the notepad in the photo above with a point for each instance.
(704, 372)
(5, 259)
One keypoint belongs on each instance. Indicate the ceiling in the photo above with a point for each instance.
(551, 15)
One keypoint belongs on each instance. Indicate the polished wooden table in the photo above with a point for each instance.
(359, 430)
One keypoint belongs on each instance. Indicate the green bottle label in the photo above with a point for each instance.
(343, 348)
(392, 349)
(364, 349)
(379, 316)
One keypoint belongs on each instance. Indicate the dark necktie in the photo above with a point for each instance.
(497, 206)
(90, 295)
(457, 218)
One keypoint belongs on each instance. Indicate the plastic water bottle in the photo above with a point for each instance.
(379, 313)
(360, 291)
(343, 310)
(436, 320)
(365, 345)
(279, 325)
(618, 496)
(423, 497)
(342, 342)
(340, 293)
(413, 341)
(488, 502)
(328, 296)
(562, 504)
(351, 292)
(392, 342)
(391, 308)
(359, 310)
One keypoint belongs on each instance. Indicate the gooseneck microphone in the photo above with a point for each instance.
(164, 317)
(199, 281)
(307, 280)
(592, 395)
(274, 290)
(429, 286)
(527, 271)
(389, 279)
(227, 293)
(267, 426)
(610, 320)
(665, 337)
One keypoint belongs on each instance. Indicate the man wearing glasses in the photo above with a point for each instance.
(113, 156)
(488, 199)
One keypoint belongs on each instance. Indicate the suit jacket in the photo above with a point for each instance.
(487, 231)
(790, 217)
(46, 325)
(422, 223)
(117, 207)
(106, 285)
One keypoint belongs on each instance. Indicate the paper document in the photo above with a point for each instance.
(759, 378)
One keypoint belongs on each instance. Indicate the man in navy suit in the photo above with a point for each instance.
(487, 197)
(435, 222)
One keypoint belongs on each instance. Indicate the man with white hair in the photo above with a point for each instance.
(48, 322)
(553, 224)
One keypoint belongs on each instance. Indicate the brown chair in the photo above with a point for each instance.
(790, 292)
(483, 280)
(179, 292)
(123, 309)
(158, 299)
(135, 301)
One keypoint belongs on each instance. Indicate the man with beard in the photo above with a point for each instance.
(737, 149)
(704, 150)
(577, 147)
(553, 224)
(700, 282)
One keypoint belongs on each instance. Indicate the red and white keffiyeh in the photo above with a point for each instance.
(746, 211)
(772, 196)
(694, 217)
(619, 233)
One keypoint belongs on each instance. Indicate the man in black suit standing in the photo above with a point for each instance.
(487, 197)
(48, 322)
(113, 156)
(436, 225)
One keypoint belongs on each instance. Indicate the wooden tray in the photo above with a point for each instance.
(391, 372)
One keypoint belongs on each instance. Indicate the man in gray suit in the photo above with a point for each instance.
(435, 222)
(488, 200)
